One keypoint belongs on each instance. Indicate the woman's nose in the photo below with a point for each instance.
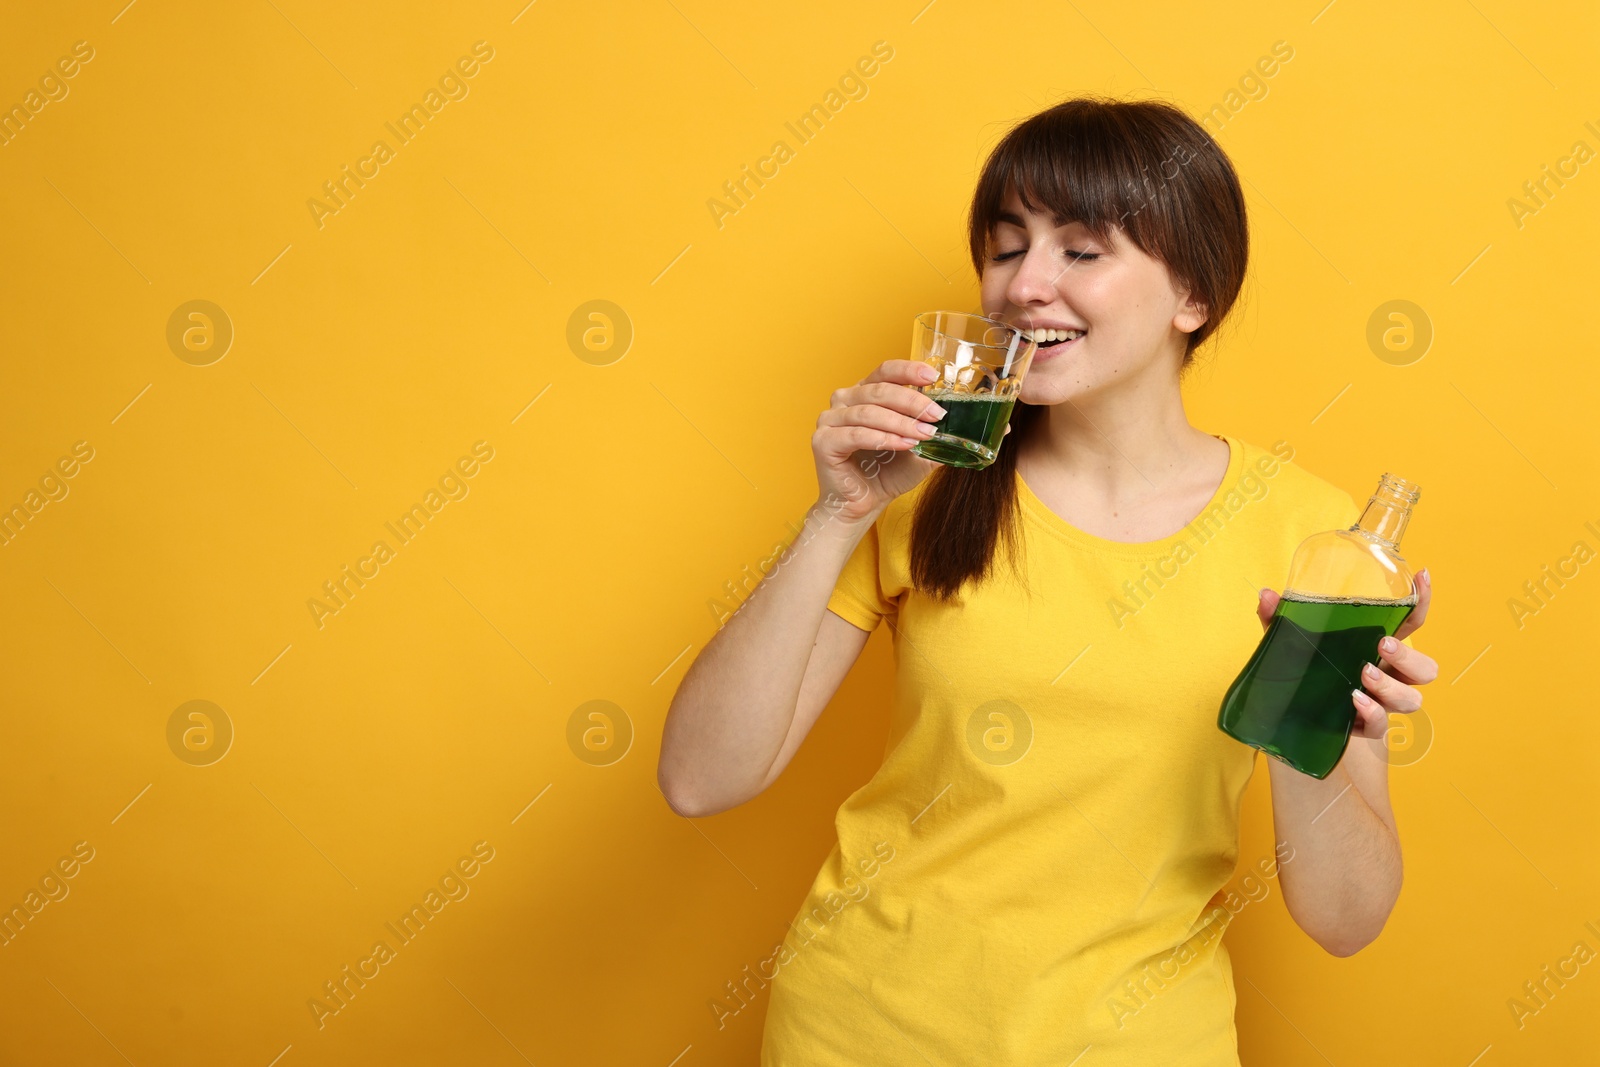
(1035, 280)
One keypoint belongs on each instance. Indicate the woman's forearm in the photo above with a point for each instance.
(733, 709)
(1346, 873)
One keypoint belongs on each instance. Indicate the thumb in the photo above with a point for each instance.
(1266, 604)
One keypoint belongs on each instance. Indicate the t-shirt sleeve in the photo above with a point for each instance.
(858, 596)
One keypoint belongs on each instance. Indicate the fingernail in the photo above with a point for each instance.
(1262, 593)
(1422, 575)
(1388, 644)
(1361, 698)
(1371, 672)
(927, 373)
(936, 411)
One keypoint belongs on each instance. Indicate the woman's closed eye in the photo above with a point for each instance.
(1076, 255)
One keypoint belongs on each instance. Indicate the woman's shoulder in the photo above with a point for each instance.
(1276, 471)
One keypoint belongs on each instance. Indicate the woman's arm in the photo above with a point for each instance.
(1347, 867)
(755, 690)
(1346, 873)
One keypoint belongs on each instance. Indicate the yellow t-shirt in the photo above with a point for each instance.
(1037, 867)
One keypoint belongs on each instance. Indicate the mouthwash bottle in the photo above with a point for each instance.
(1347, 589)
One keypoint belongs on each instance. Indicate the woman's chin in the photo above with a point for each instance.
(1046, 387)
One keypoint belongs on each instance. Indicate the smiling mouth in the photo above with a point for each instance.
(1053, 338)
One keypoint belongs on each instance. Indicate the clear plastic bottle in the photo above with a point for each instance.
(1347, 589)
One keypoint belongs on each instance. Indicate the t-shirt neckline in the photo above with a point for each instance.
(1064, 530)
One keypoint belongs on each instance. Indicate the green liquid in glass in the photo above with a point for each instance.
(1292, 700)
(970, 432)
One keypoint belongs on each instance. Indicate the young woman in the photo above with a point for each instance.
(1036, 874)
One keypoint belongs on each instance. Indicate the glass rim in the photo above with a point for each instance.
(1016, 331)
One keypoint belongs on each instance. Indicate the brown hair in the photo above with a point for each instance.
(1143, 167)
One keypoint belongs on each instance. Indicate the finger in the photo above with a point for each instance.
(839, 443)
(901, 398)
(1419, 614)
(1372, 720)
(1406, 663)
(903, 371)
(1388, 690)
(1266, 604)
(877, 417)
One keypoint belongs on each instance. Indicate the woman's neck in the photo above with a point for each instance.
(1117, 451)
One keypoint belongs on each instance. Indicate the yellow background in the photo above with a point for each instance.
(372, 753)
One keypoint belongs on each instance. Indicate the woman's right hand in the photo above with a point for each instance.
(863, 441)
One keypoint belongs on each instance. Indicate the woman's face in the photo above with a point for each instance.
(1126, 319)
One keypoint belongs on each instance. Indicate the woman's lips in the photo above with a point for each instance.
(1047, 351)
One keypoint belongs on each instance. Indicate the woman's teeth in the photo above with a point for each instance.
(1052, 334)
(1045, 337)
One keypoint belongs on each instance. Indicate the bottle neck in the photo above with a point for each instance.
(1388, 511)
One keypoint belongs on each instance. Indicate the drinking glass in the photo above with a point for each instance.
(980, 362)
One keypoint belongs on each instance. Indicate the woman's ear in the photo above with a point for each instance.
(1192, 315)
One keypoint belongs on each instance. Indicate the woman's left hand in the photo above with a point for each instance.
(1392, 689)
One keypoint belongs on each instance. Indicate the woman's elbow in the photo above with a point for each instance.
(1350, 938)
(678, 798)
(685, 800)
(1343, 947)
